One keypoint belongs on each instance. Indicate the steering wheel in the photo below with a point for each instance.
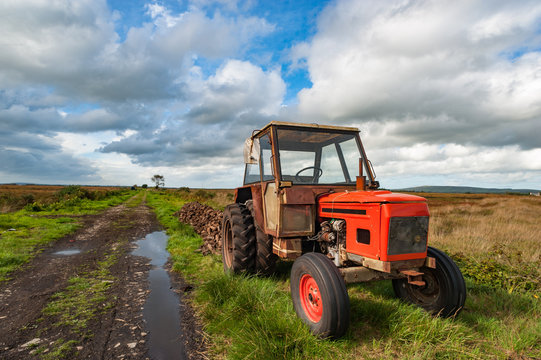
(314, 178)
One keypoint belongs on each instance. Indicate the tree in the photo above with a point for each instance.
(144, 186)
(158, 180)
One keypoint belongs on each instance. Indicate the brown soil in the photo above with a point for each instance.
(118, 331)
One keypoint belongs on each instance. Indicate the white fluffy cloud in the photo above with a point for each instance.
(423, 77)
(73, 46)
(373, 59)
(237, 88)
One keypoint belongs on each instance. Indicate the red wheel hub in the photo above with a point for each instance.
(310, 298)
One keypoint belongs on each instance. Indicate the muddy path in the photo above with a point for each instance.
(93, 266)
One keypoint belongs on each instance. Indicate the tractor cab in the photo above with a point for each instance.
(306, 154)
(288, 166)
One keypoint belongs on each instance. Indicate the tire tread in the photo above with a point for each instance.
(243, 237)
(265, 258)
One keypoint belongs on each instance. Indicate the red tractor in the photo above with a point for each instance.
(310, 194)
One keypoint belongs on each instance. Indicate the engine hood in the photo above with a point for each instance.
(377, 196)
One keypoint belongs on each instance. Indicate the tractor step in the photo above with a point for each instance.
(414, 277)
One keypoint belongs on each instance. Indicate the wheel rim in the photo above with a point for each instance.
(428, 295)
(310, 298)
(228, 244)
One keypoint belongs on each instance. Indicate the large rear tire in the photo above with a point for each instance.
(238, 239)
(443, 294)
(319, 295)
(265, 262)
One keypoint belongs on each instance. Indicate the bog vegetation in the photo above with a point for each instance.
(43, 197)
(494, 238)
(36, 215)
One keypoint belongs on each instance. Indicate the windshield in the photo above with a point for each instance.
(312, 156)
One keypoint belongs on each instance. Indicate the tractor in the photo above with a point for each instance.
(310, 195)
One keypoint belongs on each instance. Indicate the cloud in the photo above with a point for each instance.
(458, 164)
(21, 118)
(238, 87)
(73, 46)
(225, 109)
(27, 142)
(48, 120)
(428, 64)
(65, 70)
(44, 166)
(419, 77)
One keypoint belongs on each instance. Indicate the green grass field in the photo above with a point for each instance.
(247, 317)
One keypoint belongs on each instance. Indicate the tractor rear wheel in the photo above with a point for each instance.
(238, 239)
(319, 295)
(265, 262)
(444, 292)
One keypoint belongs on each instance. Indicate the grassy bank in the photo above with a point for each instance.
(250, 317)
(23, 233)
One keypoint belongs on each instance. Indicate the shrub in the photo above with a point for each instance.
(488, 271)
(35, 206)
(28, 199)
(202, 195)
(74, 192)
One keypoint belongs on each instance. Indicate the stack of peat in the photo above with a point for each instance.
(207, 222)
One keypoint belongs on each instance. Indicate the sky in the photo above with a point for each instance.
(112, 92)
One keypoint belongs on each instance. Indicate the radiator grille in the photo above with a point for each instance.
(407, 235)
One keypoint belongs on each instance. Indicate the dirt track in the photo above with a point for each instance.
(119, 330)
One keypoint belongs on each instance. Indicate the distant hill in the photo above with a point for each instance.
(466, 189)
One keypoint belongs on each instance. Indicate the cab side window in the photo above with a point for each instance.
(266, 158)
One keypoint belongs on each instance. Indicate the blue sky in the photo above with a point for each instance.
(112, 92)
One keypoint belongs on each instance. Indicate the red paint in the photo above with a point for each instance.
(380, 206)
(310, 298)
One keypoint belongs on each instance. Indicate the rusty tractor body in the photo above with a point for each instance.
(310, 195)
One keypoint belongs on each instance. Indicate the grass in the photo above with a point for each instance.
(252, 318)
(83, 298)
(79, 303)
(217, 198)
(25, 232)
(21, 236)
(61, 349)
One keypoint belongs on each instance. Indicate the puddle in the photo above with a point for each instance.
(67, 252)
(161, 310)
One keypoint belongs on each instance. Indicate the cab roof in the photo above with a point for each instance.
(303, 125)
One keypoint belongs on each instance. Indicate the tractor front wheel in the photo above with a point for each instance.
(444, 292)
(238, 239)
(319, 295)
